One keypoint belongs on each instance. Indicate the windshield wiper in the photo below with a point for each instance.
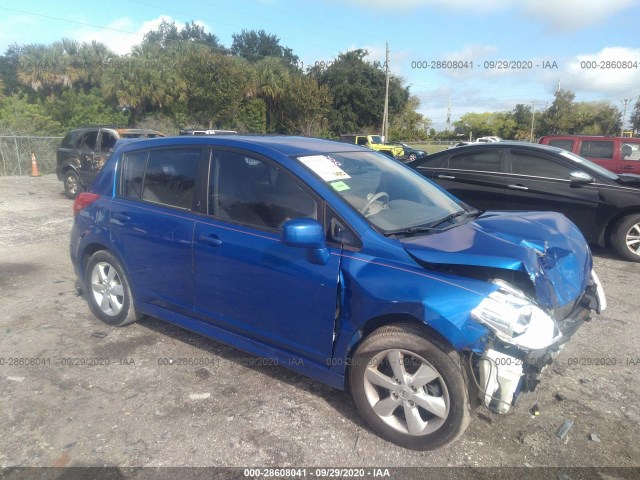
(433, 226)
(409, 231)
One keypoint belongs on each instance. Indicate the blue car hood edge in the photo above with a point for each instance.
(545, 245)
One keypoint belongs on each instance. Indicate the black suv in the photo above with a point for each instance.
(83, 152)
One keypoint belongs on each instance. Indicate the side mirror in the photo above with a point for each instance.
(580, 178)
(306, 233)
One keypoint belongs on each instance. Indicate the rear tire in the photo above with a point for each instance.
(411, 389)
(72, 184)
(108, 290)
(625, 237)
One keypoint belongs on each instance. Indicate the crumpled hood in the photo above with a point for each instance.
(545, 245)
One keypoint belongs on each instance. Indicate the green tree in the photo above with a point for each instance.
(305, 106)
(252, 117)
(357, 87)
(256, 45)
(76, 108)
(522, 116)
(216, 86)
(409, 124)
(559, 117)
(9, 63)
(635, 118)
(272, 81)
(19, 116)
(45, 68)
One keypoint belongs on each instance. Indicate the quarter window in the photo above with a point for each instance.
(525, 163)
(253, 192)
(596, 149)
(486, 161)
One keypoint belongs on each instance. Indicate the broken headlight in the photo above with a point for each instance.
(515, 319)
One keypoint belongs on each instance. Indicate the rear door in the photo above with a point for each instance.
(629, 151)
(152, 222)
(475, 176)
(535, 181)
(601, 152)
(246, 279)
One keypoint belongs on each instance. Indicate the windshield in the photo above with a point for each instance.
(390, 196)
(589, 164)
(376, 139)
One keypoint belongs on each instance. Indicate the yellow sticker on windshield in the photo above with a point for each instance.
(339, 186)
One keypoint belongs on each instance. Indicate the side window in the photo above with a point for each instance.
(170, 177)
(252, 192)
(525, 163)
(89, 140)
(630, 151)
(486, 161)
(362, 140)
(107, 141)
(133, 174)
(564, 144)
(596, 149)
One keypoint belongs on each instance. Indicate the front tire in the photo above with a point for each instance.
(625, 238)
(411, 389)
(108, 290)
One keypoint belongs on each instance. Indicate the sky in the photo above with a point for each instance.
(591, 47)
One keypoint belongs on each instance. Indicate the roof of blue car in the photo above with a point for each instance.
(286, 145)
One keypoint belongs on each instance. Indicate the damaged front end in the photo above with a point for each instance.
(526, 340)
(543, 289)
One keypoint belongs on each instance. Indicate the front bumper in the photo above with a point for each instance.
(506, 371)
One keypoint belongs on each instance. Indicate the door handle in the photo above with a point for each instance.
(123, 217)
(626, 167)
(448, 177)
(518, 187)
(212, 240)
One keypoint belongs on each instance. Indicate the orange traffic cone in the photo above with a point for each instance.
(34, 166)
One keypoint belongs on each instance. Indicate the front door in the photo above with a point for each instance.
(246, 279)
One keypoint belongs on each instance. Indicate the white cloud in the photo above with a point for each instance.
(564, 15)
(467, 5)
(569, 15)
(608, 78)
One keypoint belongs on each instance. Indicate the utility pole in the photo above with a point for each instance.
(624, 115)
(533, 119)
(449, 115)
(385, 115)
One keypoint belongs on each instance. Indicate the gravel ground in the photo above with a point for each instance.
(129, 409)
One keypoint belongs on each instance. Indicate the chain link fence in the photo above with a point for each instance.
(16, 152)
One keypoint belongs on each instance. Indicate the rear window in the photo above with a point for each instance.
(564, 144)
(485, 161)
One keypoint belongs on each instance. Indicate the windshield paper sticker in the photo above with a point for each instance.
(339, 186)
(326, 167)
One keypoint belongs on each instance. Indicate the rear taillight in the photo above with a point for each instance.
(83, 200)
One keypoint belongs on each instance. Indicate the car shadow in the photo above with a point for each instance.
(339, 400)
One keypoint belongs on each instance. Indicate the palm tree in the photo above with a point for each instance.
(273, 77)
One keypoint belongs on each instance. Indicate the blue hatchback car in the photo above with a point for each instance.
(340, 263)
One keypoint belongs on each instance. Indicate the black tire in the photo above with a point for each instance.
(628, 228)
(72, 184)
(107, 280)
(412, 157)
(447, 395)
